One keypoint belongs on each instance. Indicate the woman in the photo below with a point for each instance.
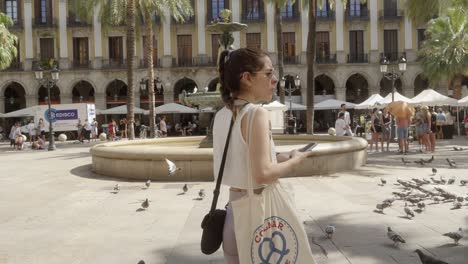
(387, 126)
(425, 127)
(433, 130)
(41, 128)
(111, 129)
(247, 78)
(465, 120)
(376, 122)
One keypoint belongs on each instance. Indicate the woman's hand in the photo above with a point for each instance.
(299, 156)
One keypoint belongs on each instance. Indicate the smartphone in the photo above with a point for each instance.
(308, 147)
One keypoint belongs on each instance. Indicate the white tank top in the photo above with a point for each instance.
(236, 166)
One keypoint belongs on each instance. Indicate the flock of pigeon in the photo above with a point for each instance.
(419, 193)
(172, 170)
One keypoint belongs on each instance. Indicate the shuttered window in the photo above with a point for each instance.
(323, 44)
(391, 44)
(289, 47)
(80, 51)
(11, 10)
(46, 49)
(116, 49)
(356, 46)
(184, 49)
(254, 41)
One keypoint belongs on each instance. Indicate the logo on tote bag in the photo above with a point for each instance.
(274, 242)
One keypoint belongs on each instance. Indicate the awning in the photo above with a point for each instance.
(25, 112)
(275, 105)
(463, 101)
(371, 102)
(332, 104)
(120, 110)
(431, 97)
(174, 108)
(397, 97)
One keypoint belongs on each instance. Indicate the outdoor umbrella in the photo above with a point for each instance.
(371, 102)
(463, 101)
(397, 97)
(332, 104)
(400, 109)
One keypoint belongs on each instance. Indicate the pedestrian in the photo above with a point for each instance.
(387, 126)
(403, 123)
(163, 126)
(94, 129)
(465, 121)
(340, 126)
(79, 131)
(247, 78)
(87, 129)
(347, 119)
(376, 122)
(41, 128)
(433, 130)
(31, 130)
(13, 133)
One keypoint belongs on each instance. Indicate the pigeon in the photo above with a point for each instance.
(430, 160)
(421, 205)
(201, 193)
(425, 259)
(436, 181)
(460, 199)
(117, 188)
(394, 237)
(413, 200)
(195, 90)
(457, 205)
(466, 198)
(451, 181)
(172, 167)
(436, 199)
(451, 161)
(389, 201)
(457, 148)
(409, 212)
(420, 162)
(405, 161)
(148, 183)
(451, 164)
(382, 206)
(185, 188)
(205, 90)
(463, 182)
(426, 181)
(434, 171)
(456, 236)
(145, 204)
(418, 181)
(383, 181)
(443, 180)
(330, 230)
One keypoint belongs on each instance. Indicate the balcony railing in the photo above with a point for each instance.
(391, 14)
(114, 64)
(326, 59)
(81, 64)
(18, 24)
(188, 21)
(45, 64)
(156, 63)
(361, 14)
(72, 21)
(190, 62)
(393, 56)
(294, 17)
(48, 23)
(358, 58)
(253, 17)
(15, 66)
(327, 15)
(292, 60)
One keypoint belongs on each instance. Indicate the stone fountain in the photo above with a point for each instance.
(213, 99)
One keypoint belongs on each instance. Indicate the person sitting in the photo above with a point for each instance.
(340, 125)
(19, 141)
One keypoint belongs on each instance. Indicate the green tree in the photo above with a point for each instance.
(444, 53)
(7, 42)
(113, 13)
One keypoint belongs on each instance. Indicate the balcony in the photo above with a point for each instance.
(193, 62)
(45, 64)
(114, 63)
(15, 66)
(358, 58)
(294, 17)
(73, 21)
(391, 14)
(76, 64)
(361, 14)
(17, 25)
(156, 63)
(188, 21)
(48, 23)
(249, 16)
(325, 15)
(326, 59)
(292, 60)
(393, 56)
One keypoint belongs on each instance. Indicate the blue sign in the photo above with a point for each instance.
(61, 115)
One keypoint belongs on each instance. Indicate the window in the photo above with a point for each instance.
(391, 44)
(253, 9)
(11, 10)
(289, 10)
(356, 46)
(43, 11)
(184, 50)
(46, 48)
(116, 50)
(324, 11)
(323, 45)
(355, 7)
(80, 51)
(215, 6)
(421, 36)
(289, 47)
(215, 38)
(390, 7)
(254, 41)
(155, 50)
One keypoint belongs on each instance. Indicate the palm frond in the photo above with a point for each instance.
(8, 41)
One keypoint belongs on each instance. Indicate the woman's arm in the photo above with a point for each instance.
(264, 171)
(372, 122)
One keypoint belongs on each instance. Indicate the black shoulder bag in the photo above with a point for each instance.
(213, 222)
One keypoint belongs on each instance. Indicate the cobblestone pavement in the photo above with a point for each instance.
(54, 209)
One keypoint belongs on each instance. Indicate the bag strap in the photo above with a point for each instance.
(221, 170)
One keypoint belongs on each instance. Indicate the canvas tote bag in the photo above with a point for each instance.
(267, 228)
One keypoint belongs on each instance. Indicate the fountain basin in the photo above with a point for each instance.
(145, 159)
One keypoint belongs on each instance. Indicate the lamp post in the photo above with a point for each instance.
(49, 83)
(297, 83)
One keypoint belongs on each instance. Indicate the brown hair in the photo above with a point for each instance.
(232, 63)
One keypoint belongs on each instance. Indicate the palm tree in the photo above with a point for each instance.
(114, 13)
(7, 42)
(444, 53)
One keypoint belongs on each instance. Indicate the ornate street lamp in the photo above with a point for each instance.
(49, 83)
(297, 83)
(158, 85)
(393, 75)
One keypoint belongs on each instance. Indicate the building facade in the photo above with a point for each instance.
(92, 58)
